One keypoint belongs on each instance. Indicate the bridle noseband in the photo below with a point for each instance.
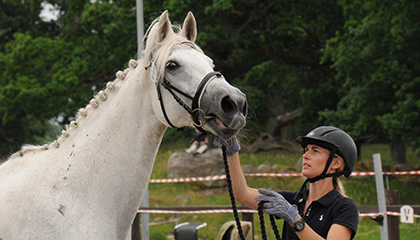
(195, 111)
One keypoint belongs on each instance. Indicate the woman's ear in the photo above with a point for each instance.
(336, 163)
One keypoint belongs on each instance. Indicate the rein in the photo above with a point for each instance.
(232, 197)
(235, 210)
(262, 223)
(195, 111)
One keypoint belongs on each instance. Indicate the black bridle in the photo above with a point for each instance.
(195, 111)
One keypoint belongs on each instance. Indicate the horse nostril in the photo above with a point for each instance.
(245, 109)
(228, 105)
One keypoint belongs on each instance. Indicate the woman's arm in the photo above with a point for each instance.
(243, 193)
(336, 232)
(275, 204)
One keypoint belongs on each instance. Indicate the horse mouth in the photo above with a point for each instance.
(220, 123)
(219, 128)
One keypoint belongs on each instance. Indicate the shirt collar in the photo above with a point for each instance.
(329, 198)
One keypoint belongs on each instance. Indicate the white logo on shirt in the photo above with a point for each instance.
(321, 217)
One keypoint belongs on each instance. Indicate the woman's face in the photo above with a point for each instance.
(314, 160)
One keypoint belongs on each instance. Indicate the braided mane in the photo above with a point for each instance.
(153, 61)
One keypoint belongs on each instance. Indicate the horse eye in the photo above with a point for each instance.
(171, 66)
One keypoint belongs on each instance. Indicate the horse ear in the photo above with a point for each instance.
(189, 28)
(164, 27)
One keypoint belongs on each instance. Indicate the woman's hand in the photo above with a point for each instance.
(232, 145)
(276, 204)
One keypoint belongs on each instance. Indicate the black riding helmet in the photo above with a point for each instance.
(335, 140)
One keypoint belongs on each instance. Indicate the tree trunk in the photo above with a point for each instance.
(271, 126)
(281, 124)
(398, 151)
(287, 118)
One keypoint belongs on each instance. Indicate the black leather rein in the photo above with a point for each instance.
(195, 109)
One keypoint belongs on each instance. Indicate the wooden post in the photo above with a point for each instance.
(135, 228)
(393, 221)
(250, 218)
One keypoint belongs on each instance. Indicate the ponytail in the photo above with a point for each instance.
(339, 186)
(337, 183)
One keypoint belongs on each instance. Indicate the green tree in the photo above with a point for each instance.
(271, 49)
(376, 58)
(35, 77)
(44, 77)
(352, 64)
(18, 16)
(249, 41)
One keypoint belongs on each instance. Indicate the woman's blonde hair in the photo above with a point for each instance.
(337, 183)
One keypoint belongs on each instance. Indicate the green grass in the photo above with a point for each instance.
(361, 189)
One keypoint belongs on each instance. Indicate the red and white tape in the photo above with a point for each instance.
(188, 179)
(417, 172)
(194, 211)
(157, 211)
(221, 177)
(273, 174)
(395, 214)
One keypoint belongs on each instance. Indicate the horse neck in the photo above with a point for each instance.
(116, 145)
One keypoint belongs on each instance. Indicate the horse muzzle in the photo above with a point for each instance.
(216, 106)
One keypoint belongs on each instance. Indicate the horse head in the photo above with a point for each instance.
(185, 81)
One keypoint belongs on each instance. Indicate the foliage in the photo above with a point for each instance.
(376, 59)
(46, 78)
(270, 49)
(23, 16)
(353, 64)
(37, 76)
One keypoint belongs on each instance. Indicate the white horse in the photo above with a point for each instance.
(88, 184)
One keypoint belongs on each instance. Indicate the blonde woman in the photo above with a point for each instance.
(318, 211)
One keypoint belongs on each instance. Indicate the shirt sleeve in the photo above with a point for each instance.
(348, 215)
(288, 195)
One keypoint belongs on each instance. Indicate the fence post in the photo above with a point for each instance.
(393, 221)
(145, 216)
(250, 218)
(381, 194)
(135, 228)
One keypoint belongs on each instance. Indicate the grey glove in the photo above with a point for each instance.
(232, 145)
(275, 204)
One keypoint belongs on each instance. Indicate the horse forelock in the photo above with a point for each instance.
(156, 53)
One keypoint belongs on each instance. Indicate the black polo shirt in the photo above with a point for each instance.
(331, 209)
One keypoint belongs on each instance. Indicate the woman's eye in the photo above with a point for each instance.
(171, 66)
